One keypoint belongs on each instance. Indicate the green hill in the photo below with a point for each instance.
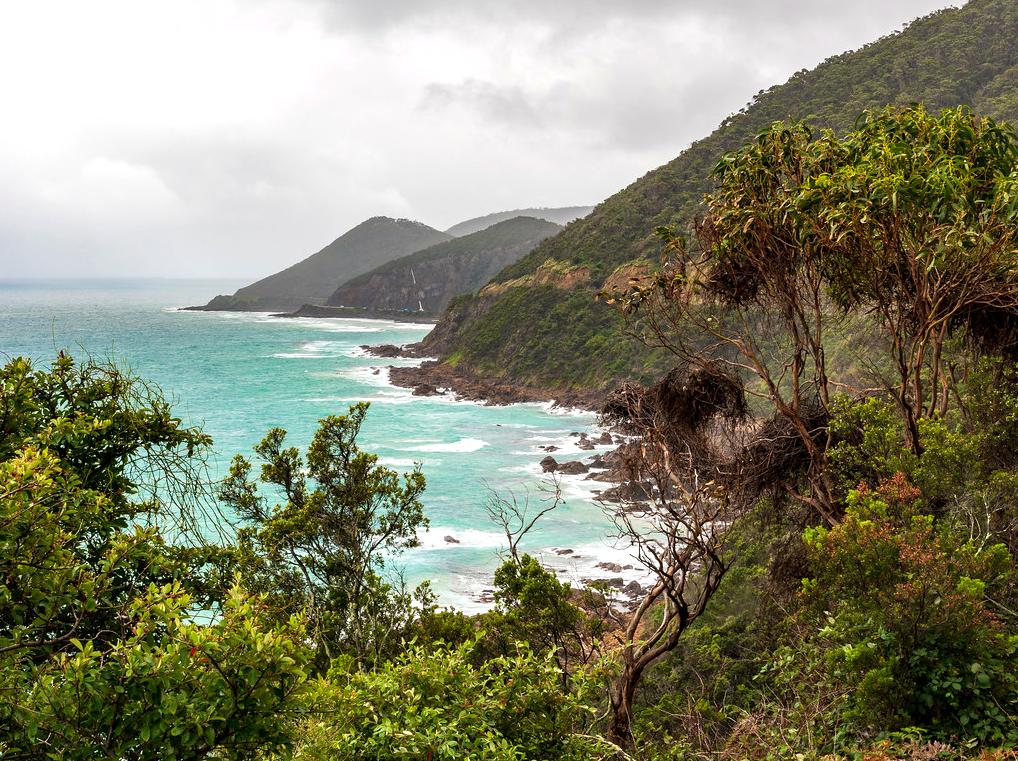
(311, 281)
(560, 216)
(427, 280)
(539, 324)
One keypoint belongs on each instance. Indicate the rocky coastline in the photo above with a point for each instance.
(623, 579)
(321, 311)
(229, 304)
(432, 378)
(610, 468)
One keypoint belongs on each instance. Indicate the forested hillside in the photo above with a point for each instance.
(427, 280)
(542, 326)
(560, 216)
(311, 280)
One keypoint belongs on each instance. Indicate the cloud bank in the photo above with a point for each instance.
(231, 138)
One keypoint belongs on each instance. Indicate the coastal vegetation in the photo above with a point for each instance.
(832, 545)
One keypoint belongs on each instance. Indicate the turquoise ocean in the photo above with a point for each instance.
(239, 374)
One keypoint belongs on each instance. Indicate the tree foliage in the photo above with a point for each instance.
(101, 654)
(323, 549)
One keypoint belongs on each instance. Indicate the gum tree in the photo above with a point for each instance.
(908, 224)
(915, 216)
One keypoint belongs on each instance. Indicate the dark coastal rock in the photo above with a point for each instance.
(549, 448)
(451, 540)
(564, 552)
(585, 444)
(634, 589)
(616, 582)
(468, 386)
(426, 389)
(626, 492)
(597, 461)
(572, 468)
(604, 439)
(549, 464)
(613, 567)
(384, 350)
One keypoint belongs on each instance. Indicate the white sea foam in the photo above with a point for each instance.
(587, 562)
(315, 350)
(579, 487)
(529, 469)
(368, 376)
(328, 325)
(382, 397)
(351, 329)
(463, 445)
(418, 327)
(553, 409)
(399, 462)
(466, 538)
(565, 445)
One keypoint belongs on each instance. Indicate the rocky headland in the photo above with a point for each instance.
(431, 378)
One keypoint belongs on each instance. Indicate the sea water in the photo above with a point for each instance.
(239, 374)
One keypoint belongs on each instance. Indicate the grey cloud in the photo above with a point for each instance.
(577, 16)
(622, 115)
(650, 92)
(507, 105)
(504, 105)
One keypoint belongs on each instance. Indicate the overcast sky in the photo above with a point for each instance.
(234, 137)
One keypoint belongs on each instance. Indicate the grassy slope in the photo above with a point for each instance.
(533, 335)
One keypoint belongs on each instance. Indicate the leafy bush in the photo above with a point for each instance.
(908, 619)
(438, 705)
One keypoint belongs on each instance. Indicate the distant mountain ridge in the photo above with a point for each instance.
(312, 280)
(538, 324)
(560, 216)
(428, 280)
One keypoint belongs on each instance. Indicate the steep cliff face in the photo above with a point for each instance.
(310, 281)
(427, 280)
(533, 334)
